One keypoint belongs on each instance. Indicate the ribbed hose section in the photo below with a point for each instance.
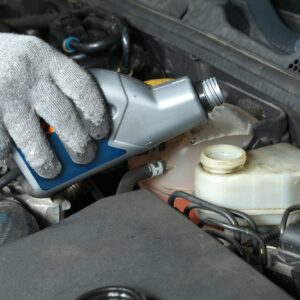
(271, 235)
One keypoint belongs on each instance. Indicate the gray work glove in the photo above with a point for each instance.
(38, 81)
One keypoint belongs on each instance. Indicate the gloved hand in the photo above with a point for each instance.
(38, 81)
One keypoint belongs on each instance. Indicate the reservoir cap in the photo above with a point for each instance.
(223, 159)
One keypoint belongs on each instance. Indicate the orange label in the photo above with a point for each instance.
(46, 127)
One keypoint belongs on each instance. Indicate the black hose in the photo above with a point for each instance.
(218, 235)
(274, 30)
(258, 241)
(252, 225)
(189, 208)
(96, 47)
(205, 205)
(126, 43)
(267, 237)
(271, 235)
(285, 217)
(131, 178)
(122, 36)
(246, 231)
(246, 218)
(236, 213)
(9, 177)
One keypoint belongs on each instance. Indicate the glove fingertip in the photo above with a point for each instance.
(49, 169)
(98, 132)
(87, 154)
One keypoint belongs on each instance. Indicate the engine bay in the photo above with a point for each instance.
(215, 146)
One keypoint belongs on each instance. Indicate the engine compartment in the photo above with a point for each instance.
(250, 119)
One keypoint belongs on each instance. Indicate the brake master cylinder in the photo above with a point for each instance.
(142, 118)
(262, 182)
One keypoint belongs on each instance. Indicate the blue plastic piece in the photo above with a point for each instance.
(70, 170)
(67, 43)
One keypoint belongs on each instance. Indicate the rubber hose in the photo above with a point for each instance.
(285, 217)
(251, 224)
(8, 177)
(189, 208)
(207, 206)
(218, 235)
(246, 231)
(274, 30)
(271, 235)
(203, 205)
(237, 214)
(96, 47)
(105, 44)
(131, 178)
(126, 43)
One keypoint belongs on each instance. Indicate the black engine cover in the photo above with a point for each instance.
(132, 240)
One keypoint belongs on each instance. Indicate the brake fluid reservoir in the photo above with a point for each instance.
(227, 124)
(261, 182)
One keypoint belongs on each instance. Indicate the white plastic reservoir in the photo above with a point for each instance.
(261, 182)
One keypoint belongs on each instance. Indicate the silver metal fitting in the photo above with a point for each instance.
(211, 93)
(157, 168)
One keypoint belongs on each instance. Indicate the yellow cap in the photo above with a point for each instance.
(155, 82)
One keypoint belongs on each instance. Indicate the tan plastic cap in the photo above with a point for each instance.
(223, 159)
